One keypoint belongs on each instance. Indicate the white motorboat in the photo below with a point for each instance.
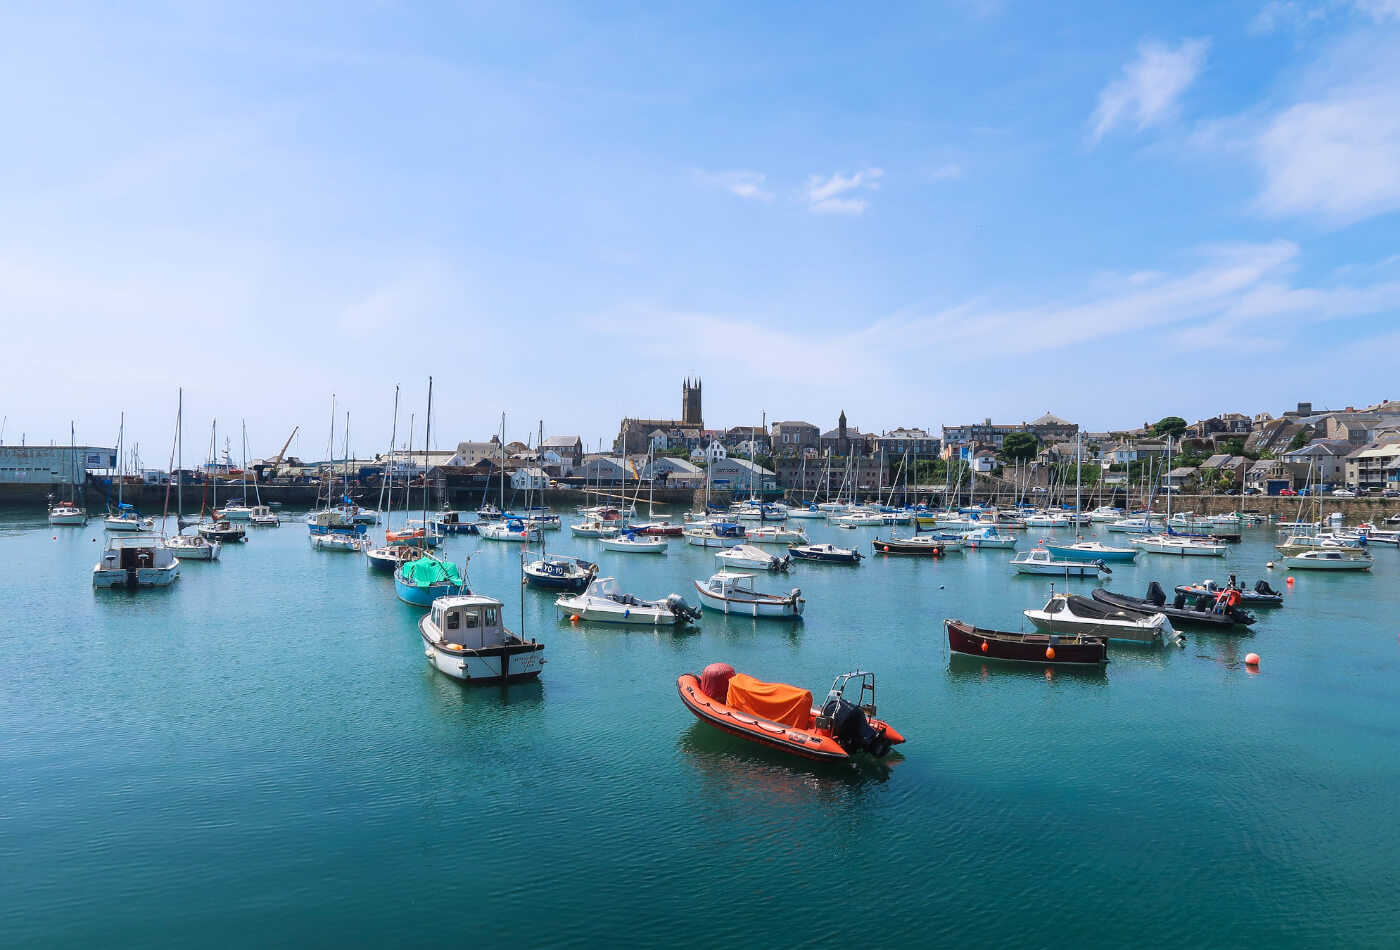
(1045, 519)
(465, 638)
(856, 518)
(988, 537)
(264, 517)
(1070, 613)
(135, 561)
(1181, 547)
(733, 593)
(194, 547)
(1329, 559)
(389, 558)
(65, 512)
(1105, 513)
(235, 512)
(714, 534)
(605, 601)
(749, 556)
(777, 535)
(511, 530)
(810, 513)
(630, 542)
(1041, 561)
(221, 531)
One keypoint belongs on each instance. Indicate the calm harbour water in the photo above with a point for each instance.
(261, 754)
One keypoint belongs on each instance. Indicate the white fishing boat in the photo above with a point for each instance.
(769, 534)
(1180, 547)
(733, 593)
(1070, 613)
(264, 517)
(629, 542)
(1041, 561)
(605, 601)
(135, 561)
(1329, 559)
(465, 638)
(193, 547)
(749, 556)
(510, 530)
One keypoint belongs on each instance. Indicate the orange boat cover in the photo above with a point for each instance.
(776, 701)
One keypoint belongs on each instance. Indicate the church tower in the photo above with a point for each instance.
(690, 404)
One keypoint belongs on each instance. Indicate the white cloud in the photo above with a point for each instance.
(944, 172)
(1380, 10)
(1147, 92)
(1337, 157)
(1288, 14)
(825, 194)
(745, 184)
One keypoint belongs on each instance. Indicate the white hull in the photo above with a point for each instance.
(1111, 629)
(77, 518)
(1180, 548)
(1004, 543)
(749, 608)
(806, 513)
(127, 524)
(635, 547)
(616, 613)
(337, 542)
(145, 576)
(1328, 564)
(207, 551)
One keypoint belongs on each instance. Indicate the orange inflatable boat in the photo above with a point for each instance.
(782, 717)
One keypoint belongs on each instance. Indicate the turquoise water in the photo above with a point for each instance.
(261, 753)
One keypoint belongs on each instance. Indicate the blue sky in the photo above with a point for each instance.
(919, 213)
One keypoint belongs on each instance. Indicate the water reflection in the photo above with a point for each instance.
(969, 668)
(731, 764)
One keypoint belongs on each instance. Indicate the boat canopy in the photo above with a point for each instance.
(777, 702)
(427, 571)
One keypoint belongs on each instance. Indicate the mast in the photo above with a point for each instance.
(427, 433)
(180, 463)
(121, 459)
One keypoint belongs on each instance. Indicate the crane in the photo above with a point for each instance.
(276, 460)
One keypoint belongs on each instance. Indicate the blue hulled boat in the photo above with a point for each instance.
(421, 581)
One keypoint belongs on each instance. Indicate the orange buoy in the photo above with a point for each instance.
(573, 619)
(1049, 653)
(887, 549)
(1252, 660)
(1290, 582)
(984, 646)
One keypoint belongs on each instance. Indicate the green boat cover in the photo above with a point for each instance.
(427, 571)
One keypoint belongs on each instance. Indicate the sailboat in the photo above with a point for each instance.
(423, 580)
(71, 511)
(125, 517)
(192, 547)
(391, 555)
(1170, 542)
(508, 528)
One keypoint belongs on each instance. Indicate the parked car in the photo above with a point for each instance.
(1232, 491)
(1343, 493)
(1253, 491)
(1390, 493)
(1288, 491)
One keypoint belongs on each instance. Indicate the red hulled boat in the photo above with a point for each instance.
(782, 717)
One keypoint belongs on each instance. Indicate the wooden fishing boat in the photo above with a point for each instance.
(1061, 649)
(928, 546)
(734, 593)
(782, 717)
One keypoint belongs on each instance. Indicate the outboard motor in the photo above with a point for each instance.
(851, 729)
(1179, 602)
(1155, 595)
(683, 611)
(1262, 587)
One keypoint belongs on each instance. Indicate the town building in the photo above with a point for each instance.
(1369, 468)
(635, 435)
(914, 442)
(738, 474)
(823, 478)
(53, 464)
(794, 438)
(567, 447)
(1321, 460)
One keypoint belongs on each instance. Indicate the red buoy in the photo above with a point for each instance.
(1049, 653)
(984, 646)
(1252, 660)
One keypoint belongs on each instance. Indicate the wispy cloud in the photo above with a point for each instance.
(1147, 92)
(744, 184)
(1294, 15)
(824, 195)
(944, 172)
(1380, 10)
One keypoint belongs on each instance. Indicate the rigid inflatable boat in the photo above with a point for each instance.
(782, 717)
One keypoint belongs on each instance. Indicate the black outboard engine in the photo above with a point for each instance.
(852, 730)
(683, 611)
(1155, 595)
(1262, 587)
(1179, 602)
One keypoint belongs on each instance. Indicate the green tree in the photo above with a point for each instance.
(1020, 447)
(1170, 425)
(1299, 440)
(1233, 446)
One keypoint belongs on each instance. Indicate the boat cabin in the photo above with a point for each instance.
(469, 620)
(132, 552)
(727, 583)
